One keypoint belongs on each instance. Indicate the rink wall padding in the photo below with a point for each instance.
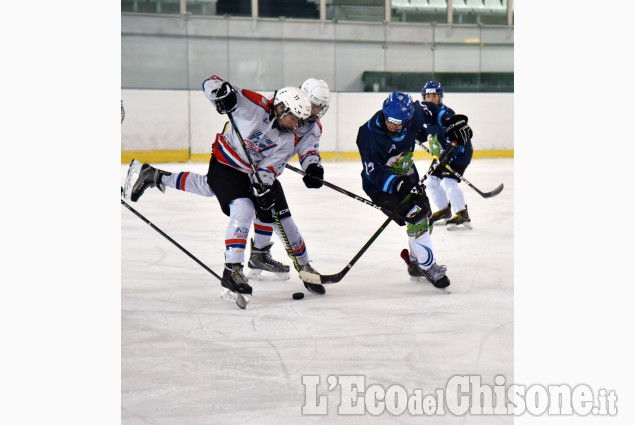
(180, 125)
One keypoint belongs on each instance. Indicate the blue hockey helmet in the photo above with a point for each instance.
(433, 87)
(398, 109)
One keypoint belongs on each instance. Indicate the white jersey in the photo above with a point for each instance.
(308, 143)
(269, 148)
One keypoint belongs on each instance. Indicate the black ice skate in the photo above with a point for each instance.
(315, 288)
(235, 280)
(461, 221)
(435, 274)
(260, 260)
(148, 177)
(440, 217)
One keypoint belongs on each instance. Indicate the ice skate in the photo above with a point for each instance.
(315, 288)
(440, 217)
(148, 177)
(435, 274)
(461, 221)
(235, 280)
(263, 267)
(133, 173)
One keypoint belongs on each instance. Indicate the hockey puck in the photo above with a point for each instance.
(298, 295)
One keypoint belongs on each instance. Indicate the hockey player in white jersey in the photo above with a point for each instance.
(306, 147)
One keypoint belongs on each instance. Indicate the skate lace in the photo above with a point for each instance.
(436, 272)
(238, 276)
(307, 268)
(269, 259)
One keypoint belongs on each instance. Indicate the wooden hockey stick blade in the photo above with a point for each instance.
(324, 278)
(310, 277)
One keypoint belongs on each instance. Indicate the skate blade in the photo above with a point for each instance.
(462, 226)
(240, 299)
(310, 277)
(445, 290)
(257, 274)
(133, 173)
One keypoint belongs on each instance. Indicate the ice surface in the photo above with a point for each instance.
(188, 357)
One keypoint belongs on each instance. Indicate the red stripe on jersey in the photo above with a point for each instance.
(183, 178)
(319, 125)
(224, 153)
(309, 153)
(215, 77)
(257, 98)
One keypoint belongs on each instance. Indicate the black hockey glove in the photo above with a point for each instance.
(404, 185)
(312, 174)
(457, 130)
(226, 99)
(264, 198)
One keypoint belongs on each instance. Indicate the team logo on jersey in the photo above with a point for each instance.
(259, 141)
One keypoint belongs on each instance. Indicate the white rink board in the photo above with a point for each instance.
(172, 120)
(188, 357)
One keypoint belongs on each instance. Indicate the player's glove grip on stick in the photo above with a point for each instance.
(264, 198)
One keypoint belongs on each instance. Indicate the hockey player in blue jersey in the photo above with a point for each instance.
(386, 144)
(443, 186)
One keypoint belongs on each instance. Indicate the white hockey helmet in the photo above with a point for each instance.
(318, 92)
(295, 101)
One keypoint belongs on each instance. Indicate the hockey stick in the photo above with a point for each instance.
(241, 301)
(334, 278)
(273, 210)
(345, 192)
(491, 194)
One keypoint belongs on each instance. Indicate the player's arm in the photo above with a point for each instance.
(308, 148)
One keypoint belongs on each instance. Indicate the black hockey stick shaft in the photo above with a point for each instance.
(162, 233)
(490, 194)
(334, 278)
(345, 192)
(185, 251)
(262, 187)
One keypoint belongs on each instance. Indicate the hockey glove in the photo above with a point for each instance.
(404, 185)
(313, 176)
(457, 130)
(265, 199)
(226, 99)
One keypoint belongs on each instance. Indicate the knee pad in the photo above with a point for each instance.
(241, 212)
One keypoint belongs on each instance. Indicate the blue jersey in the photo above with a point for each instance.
(387, 158)
(462, 155)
